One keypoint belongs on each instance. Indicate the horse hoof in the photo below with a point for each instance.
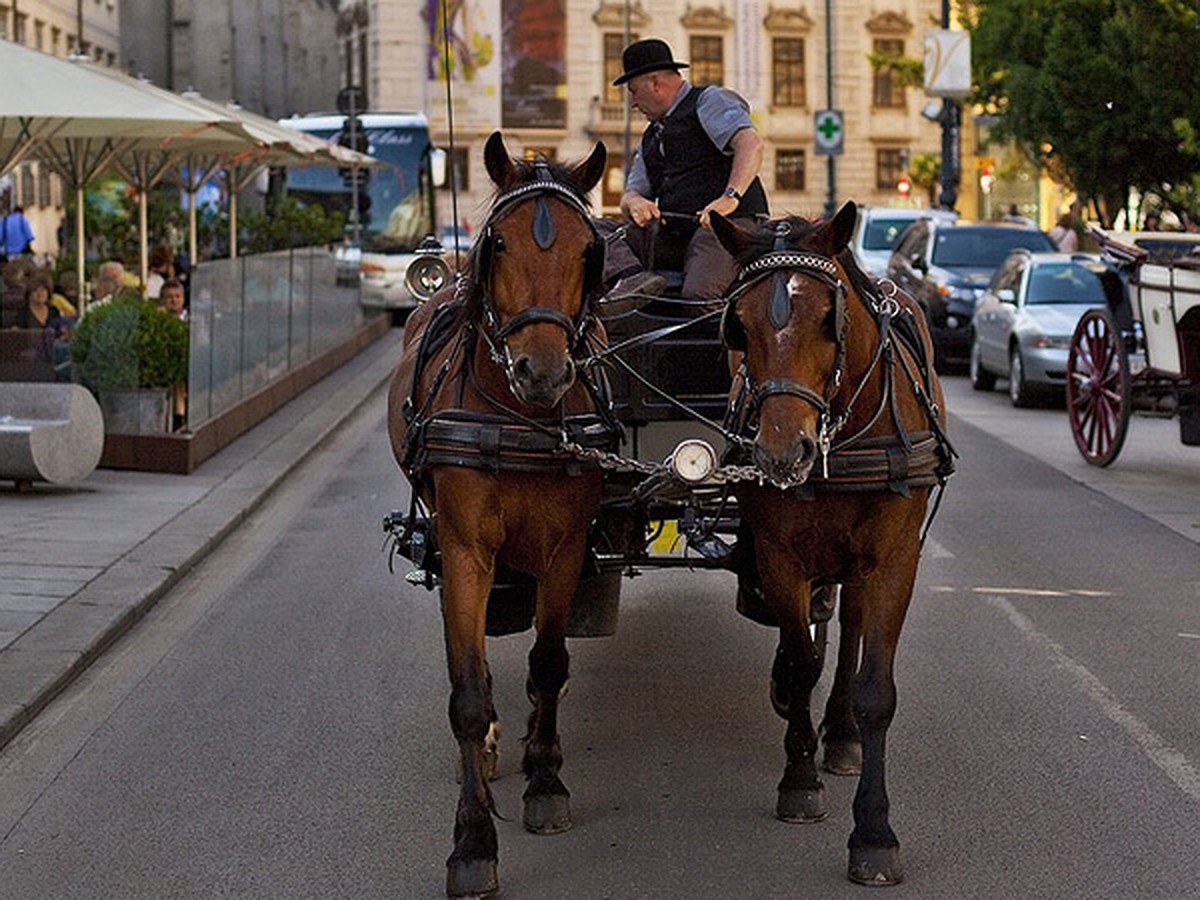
(548, 813)
(471, 878)
(875, 866)
(843, 759)
(802, 805)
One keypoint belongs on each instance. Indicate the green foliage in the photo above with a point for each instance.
(130, 343)
(1101, 92)
(925, 172)
(907, 71)
(289, 225)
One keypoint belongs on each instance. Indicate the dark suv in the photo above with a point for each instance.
(946, 265)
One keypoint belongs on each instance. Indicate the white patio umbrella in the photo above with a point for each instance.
(78, 118)
(284, 147)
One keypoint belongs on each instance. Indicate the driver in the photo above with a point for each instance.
(699, 154)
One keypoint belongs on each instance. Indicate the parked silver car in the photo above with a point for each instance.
(1023, 323)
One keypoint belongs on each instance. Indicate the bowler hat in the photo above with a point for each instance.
(650, 55)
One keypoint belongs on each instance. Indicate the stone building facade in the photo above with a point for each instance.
(53, 26)
(274, 57)
(774, 52)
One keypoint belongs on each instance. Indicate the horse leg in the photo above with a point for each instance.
(471, 869)
(801, 796)
(547, 800)
(874, 847)
(839, 731)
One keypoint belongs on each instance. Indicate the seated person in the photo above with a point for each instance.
(171, 298)
(700, 154)
(38, 313)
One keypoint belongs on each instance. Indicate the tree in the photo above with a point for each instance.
(1100, 92)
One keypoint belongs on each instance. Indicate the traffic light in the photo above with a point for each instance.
(353, 135)
(352, 178)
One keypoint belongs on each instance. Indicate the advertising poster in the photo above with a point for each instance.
(462, 35)
(534, 70)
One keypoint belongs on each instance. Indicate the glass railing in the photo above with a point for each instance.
(256, 318)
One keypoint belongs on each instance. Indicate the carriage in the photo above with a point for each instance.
(552, 447)
(1140, 353)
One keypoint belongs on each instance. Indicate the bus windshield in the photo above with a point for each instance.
(394, 204)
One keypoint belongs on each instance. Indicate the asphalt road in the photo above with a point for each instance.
(277, 726)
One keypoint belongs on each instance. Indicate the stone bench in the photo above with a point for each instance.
(48, 432)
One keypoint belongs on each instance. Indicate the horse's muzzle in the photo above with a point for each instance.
(789, 465)
(538, 382)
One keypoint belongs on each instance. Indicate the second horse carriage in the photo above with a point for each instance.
(550, 445)
(1141, 352)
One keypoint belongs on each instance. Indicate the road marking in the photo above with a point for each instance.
(1189, 636)
(936, 550)
(1040, 592)
(1173, 764)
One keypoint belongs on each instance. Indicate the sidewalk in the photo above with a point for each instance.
(80, 564)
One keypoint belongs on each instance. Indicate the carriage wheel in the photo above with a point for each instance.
(1098, 388)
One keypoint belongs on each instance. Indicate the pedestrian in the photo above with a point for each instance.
(700, 154)
(16, 234)
(1067, 232)
(161, 267)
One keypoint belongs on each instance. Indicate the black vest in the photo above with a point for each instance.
(687, 171)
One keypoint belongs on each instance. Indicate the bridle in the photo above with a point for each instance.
(495, 333)
(780, 264)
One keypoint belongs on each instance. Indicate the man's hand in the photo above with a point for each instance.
(640, 210)
(725, 205)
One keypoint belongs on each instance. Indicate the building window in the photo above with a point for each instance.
(27, 184)
(789, 170)
(890, 164)
(55, 40)
(708, 60)
(348, 53)
(43, 185)
(39, 35)
(458, 169)
(787, 68)
(614, 45)
(3, 23)
(887, 92)
(19, 27)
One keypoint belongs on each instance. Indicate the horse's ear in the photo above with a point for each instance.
(843, 226)
(588, 173)
(733, 237)
(499, 164)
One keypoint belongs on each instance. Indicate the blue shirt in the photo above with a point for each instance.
(722, 114)
(17, 233)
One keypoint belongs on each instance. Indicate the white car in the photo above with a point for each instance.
(878, 227)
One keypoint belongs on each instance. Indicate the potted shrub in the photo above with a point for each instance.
(131, 354)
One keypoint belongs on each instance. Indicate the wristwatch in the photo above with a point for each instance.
(733, 192)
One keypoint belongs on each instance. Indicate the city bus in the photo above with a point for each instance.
(396, 203)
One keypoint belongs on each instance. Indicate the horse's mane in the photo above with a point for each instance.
(763, 240)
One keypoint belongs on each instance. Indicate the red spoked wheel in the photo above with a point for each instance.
(1098, 388)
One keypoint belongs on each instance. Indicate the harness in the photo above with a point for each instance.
(895, 462)
(506, 440)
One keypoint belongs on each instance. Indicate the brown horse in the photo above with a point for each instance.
(840, 412)
(488, 384)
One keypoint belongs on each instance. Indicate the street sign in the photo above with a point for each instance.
(829, 132)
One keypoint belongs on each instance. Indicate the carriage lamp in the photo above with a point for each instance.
(693, 461)
(426, 275)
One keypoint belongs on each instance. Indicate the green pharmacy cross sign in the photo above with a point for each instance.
(829, 131)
